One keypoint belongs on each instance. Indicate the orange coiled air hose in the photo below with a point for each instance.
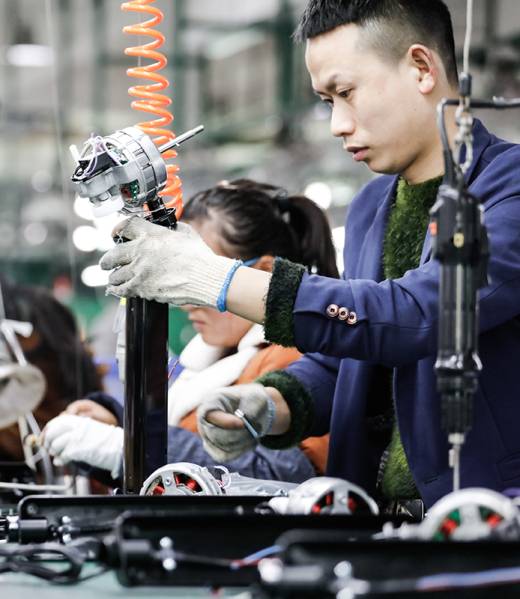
(150, 100)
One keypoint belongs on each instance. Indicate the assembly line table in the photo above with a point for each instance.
(16, 586)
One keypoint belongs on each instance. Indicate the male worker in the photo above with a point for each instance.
(370, 339)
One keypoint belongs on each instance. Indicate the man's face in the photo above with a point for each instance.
(377, 108)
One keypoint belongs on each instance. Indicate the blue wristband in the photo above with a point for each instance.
(221, 300)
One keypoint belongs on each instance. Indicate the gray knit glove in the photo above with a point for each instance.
(252, 404)
(156, 263)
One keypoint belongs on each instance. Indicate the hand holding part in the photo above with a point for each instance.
(232, 419)
(81, 439)
(170, 266)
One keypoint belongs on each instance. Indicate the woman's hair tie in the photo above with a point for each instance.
(282, 200)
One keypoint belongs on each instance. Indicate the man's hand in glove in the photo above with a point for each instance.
(80, 439)
(159, 264)
(232, 419)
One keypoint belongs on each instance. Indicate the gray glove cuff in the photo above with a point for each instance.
(205, 286)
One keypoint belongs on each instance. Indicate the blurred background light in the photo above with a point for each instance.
(35, 233)
(85, 238)
(104, 226)
(338, 239)
(41, 181)
(83, 208)
(320, 193)
(29, 55)
(93, 276)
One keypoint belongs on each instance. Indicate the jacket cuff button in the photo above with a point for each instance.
(352, 318)
(343, 313)
(332, 310)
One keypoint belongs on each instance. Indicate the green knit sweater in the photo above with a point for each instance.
(402, 249)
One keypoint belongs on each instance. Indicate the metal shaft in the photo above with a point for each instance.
(145, 440)
(146, 377)
(456, 441)
(180, 139)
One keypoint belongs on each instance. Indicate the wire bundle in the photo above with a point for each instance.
(28, 559)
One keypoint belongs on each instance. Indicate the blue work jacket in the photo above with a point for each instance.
(397, 327)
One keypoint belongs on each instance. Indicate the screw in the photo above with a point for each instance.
(343, 569)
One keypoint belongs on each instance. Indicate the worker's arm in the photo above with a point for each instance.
(247, 293)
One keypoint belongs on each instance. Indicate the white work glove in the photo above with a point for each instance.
(171, 266)
(22, 388)
(81, 439)
(253, 402)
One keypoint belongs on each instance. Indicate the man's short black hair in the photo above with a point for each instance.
(393, 25)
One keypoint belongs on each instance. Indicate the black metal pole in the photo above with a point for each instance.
(146, 380)
(145, 391)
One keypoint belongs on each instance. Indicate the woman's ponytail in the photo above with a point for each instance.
(254, 219)
(311, 228)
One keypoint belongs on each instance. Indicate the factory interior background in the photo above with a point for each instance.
(232, 67)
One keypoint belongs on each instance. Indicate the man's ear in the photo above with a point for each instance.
(265, 263)
(424, 63)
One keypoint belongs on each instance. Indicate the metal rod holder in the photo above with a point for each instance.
(146, 379)
(145, 419)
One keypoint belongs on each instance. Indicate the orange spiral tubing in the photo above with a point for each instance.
(149, 96)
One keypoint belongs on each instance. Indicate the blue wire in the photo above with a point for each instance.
(256, 556)
(469, 579)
